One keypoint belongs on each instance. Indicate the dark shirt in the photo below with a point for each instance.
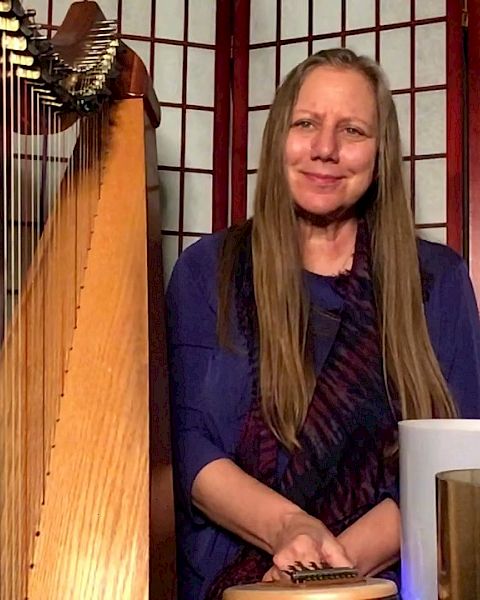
(211, 385)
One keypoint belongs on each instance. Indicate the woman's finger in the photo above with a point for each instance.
(274, 574)
(330, 552)
(334, 555)
(268, 577)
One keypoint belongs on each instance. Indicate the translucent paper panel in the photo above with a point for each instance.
(261, 76)
(327, 16)
(402, 104)
(169, 19)
(395, 56)
(325, 44)
(360, 14)
(197, 206)
(168, 72)
(291, 55)
(60, 7)
(41, 6)
(394, 11)
(433, 234)
(201, 77)
(430, 54)
(170, 254)
(26, 183)
(431, 191)
(426, 9)
(169, 198)
(251, 183)
(142, 49)
(362, 44)
(169, 137)
(263, 21)
(59, 144)
(136, 17)
(294, 19)
(256, 124)
(199, 139)
(430, 122)
(201, 21)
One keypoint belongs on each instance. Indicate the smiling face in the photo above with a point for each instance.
(332, 142)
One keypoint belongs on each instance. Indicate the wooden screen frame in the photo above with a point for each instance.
(473, 129)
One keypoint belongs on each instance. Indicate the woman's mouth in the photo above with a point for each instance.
(323, 179)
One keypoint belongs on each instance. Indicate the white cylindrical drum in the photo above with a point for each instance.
(428, 447)
(370, 589)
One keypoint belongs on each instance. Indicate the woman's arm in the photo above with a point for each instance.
(261, 516)
(454, 326)
(373, 542)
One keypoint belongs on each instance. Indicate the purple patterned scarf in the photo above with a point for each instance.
(341, 470)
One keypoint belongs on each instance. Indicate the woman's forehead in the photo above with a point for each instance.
(344, 89)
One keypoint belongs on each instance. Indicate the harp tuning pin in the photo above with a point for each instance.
(30, 12)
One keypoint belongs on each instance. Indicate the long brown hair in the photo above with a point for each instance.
(286, 373)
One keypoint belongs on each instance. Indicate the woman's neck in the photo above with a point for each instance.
(328, 249)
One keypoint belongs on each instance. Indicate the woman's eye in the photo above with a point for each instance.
(353, 131)
(302, 124)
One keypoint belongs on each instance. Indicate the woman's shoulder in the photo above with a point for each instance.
(200, 262)
(438, 259)
(445, 277)
(444, 272)
(201, 258)
(194, 276)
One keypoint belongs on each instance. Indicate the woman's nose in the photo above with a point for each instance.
(325, 145)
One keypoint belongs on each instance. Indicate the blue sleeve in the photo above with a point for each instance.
(388, 486)
(208, 387)
(191, 330)
(456, 338)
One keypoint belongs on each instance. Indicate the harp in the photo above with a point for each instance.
(84, 423)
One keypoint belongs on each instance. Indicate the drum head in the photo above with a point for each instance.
(370, 589)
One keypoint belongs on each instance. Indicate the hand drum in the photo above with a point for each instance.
(368, 589)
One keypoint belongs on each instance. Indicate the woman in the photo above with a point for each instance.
(298, 340)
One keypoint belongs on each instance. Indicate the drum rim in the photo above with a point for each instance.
(383, 586)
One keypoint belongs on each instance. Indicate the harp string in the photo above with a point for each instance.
(5, 455)
(19, 317)
(29, 482)
(53, 216)
(11, 341)
(42, 219)
(4, 474)
(59, 294)
(64, 261)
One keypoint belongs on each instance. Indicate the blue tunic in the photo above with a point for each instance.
(211, 386)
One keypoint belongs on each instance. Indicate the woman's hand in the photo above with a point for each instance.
(305, 539)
